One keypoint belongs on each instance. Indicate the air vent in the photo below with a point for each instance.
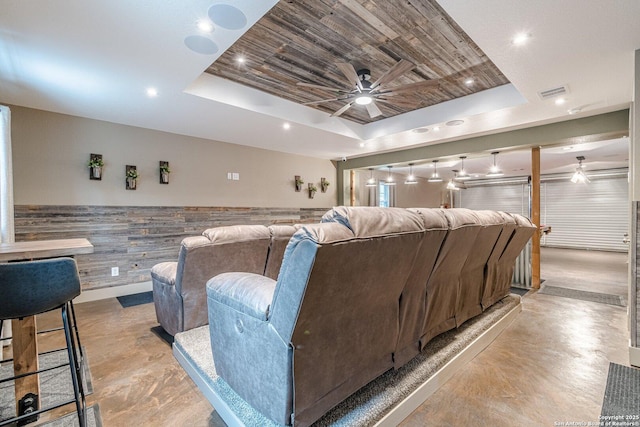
(556, 91)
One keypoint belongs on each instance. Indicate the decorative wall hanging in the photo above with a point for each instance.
(312, 190)
(95, 166)
(132, 177)
(298, 182)
(164, 172)
(324, 184)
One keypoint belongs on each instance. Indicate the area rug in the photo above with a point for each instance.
(621, 396)
(583, 295)
(372, 402)
(519, 291)
(55, 385)
(135, 299)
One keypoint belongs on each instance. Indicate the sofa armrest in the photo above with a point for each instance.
(165, 272)
(247, 293)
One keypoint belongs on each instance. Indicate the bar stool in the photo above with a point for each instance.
(34, 287)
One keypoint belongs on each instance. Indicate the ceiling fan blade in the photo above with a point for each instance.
(373, 110)
(331, 89)
(350, 73)
(343, 109)
(394, 72)
(397, 102)
(321, 101)
(410, 87)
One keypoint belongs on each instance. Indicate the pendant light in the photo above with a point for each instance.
(371, 182)
(494, 171)
(389, 180)
(434, 176)
(579, 177)
(462, 175)
(452, 185)
(411, 179)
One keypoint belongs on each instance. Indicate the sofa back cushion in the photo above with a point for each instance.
(412, 302)
(219, 250)
(524, 229)
(443, 284)
(492, 293)
(280, 236)
(472, 276)
(337, 295)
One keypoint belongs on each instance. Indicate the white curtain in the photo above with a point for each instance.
(7, 233)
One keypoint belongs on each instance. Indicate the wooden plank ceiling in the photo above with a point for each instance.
(302, 40)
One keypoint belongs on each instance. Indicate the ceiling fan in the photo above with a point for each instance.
(367, 93)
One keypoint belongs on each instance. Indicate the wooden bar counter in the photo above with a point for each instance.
(25, 345)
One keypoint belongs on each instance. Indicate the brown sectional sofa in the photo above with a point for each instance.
(179, 288)
(358, 294)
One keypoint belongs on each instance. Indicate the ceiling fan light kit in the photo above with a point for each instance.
(364, 92)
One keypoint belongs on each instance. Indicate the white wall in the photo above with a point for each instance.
(51, 151)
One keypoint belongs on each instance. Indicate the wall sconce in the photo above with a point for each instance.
(164, 172)
(132, 177)
(324, 184)
(312, 190)
(298, 182)
(95, 166)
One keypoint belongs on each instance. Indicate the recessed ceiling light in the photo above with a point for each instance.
(456, 122)
(240, 59)
(286, 126)
(469, 82)
(570, 147)
(436, 128)
(520, 39)
(574, 111)
(362, 144)
(560, 101)
(420, 130)
(152, 92)
(205, 26)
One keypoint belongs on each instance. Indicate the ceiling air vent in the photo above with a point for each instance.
(552, 93)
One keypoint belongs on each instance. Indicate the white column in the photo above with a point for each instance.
(634, 184)
(7, 232)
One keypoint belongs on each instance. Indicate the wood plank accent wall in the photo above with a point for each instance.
(135, 238)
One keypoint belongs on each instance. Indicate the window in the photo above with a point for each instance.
(383, 195)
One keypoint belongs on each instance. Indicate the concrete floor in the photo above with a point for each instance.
(550, 365)
(594, 271)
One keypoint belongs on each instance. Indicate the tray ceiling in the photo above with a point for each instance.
(302, 41)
